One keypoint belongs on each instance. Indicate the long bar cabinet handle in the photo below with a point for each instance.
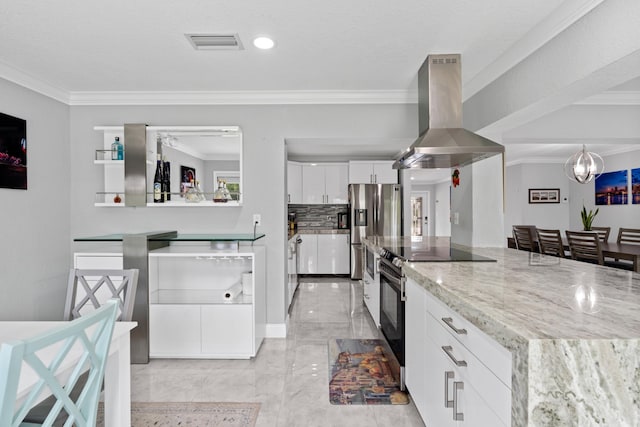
(448, 349)
(449, 322)
(457, 416)
(447, 376)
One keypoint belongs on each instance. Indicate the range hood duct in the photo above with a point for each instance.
(443, 143)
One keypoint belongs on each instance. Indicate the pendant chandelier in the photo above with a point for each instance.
(584, 166)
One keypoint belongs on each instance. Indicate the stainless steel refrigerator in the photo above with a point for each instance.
(375, 210)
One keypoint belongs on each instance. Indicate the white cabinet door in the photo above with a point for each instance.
(313, 187)
(438, 388)
(333, 253)
(174, 330)
(384, 173)
(227, 330)
(294, 182)
(308, 254)
(360, 173)
(416, 347)
(337, 183)
(372, 296)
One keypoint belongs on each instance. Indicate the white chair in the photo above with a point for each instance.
(90, 335)
(88, 289)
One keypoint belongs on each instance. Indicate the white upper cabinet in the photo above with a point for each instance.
(325, 183)
(373, 172)
(294, 183)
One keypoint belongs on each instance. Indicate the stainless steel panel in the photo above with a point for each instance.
(135, 249)
(135, 164)
(389, 210)
(357, 261)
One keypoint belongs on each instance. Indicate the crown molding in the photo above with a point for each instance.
(24, 79)
(242, 97)
(564, 16)
(617, 97)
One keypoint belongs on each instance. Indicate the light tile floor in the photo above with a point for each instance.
(289, 377)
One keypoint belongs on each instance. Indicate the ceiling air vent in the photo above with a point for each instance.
(215, 41)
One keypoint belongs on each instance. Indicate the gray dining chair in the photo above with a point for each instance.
(603, 233)
(523, 235)
(88, 289)
(550, 242)
(585, 246)
(626, 236)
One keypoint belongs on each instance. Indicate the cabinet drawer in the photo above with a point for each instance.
(475, 374)
(485, 348)
(98, 261)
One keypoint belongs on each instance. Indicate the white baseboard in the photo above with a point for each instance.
(276, 330)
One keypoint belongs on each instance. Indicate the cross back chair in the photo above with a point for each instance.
(523, 235)
(91, 335)
(88, 289)
(585, 246)
(550, 242)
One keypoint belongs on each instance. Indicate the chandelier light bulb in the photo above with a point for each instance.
(583, 166)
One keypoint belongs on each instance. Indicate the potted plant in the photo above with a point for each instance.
(587, 217)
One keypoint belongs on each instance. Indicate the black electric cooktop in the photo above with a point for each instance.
(434, 254)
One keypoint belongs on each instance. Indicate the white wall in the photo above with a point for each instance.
(488, 202)
(521, 178)
(442, 209)
(264, 129)
(616, 216)
(34, 246)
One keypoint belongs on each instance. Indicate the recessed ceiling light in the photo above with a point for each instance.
(263, 42)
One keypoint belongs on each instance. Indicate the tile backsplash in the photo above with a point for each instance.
(317, 216)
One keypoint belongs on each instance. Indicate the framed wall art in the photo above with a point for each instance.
(635, 186)
(13, 152)
(612, 188)
(544, 195)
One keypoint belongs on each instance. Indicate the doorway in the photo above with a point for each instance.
(420, 203)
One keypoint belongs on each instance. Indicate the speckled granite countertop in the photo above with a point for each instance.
(572, 364)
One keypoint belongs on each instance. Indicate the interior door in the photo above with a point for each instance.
(419, 214)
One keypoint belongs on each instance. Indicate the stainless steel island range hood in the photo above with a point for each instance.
(443, 143)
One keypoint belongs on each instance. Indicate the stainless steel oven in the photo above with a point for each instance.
(392, 305)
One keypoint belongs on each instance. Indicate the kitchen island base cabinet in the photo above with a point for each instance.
(447, 371)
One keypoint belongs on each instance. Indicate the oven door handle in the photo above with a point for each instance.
(398, 283)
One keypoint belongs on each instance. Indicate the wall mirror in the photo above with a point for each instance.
(205, 164)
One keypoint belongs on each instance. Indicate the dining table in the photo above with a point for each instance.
(613, 250)
(117, 376)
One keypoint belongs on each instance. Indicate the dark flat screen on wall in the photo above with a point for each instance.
(13, 152)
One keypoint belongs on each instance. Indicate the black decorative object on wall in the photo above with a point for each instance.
(13, 152)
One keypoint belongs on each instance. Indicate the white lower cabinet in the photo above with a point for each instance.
(333, 253)
(323, 254)
(189, 315)
(449, 379)
(371, 295)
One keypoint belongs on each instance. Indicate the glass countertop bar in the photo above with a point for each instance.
(166, 236)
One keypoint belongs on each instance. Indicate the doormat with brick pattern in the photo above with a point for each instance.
(362, 373)
(200, 414)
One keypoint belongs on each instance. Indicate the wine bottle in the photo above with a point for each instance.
(166, 180)
(157, 182)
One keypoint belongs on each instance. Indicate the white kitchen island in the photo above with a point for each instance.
(571, 329)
